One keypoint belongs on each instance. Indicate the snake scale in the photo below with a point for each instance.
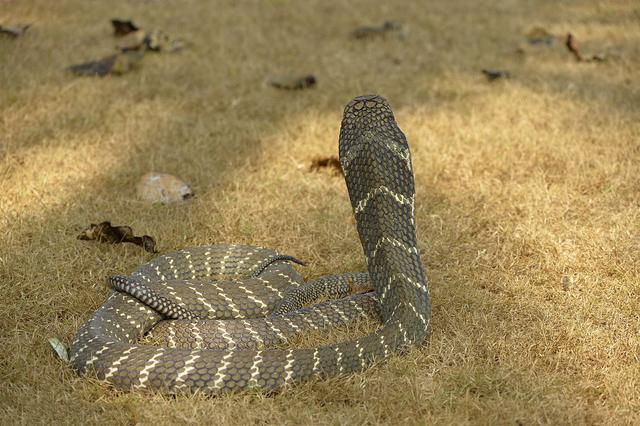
(218, 310)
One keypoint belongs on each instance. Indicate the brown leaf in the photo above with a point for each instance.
(132, 41)
(159, 41)
(292, 82)
(155, 41)
(330, 163)
(13, 30)
(371, 31)
(539, 35)
(495, 74)
(105, 233)
(123, 27)
(572, 45)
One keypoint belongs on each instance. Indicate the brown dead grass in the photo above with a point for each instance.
(528, 193)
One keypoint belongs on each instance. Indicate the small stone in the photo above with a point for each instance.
(163, 188)
(291, 82)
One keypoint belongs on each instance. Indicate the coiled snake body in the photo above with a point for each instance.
(265, 307)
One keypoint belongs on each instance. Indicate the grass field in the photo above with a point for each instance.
(528, 193)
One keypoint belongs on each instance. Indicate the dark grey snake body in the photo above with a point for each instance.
(220, 355)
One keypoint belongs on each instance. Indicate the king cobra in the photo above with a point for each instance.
(217, 311)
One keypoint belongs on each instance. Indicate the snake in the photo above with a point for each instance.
(217, 315)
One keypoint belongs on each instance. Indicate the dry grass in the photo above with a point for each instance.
(528, 193)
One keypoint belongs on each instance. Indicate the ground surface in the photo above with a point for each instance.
(527, 205)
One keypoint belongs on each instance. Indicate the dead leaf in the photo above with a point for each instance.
(572, 45)
(105, 233)
(495, 74)
(292, 82)
(159, 41)
(330, 163)
(14, 30)
(155, 41)
(123, 27)
(115, 64)
(382, 30)
(132, 41)
(539, 35)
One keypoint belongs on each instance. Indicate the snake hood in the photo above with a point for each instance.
(376, 161)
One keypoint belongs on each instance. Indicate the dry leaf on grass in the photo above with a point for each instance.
(329, 163)
(136, 38)
(132, 41)
(159, 41)
(13, 30)
(105, 233)
(118, 64)
(382, 30)
(495, 74)
(572, 46)
(123, 27)
(540, 36)
(290, 82)
(155, 41)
